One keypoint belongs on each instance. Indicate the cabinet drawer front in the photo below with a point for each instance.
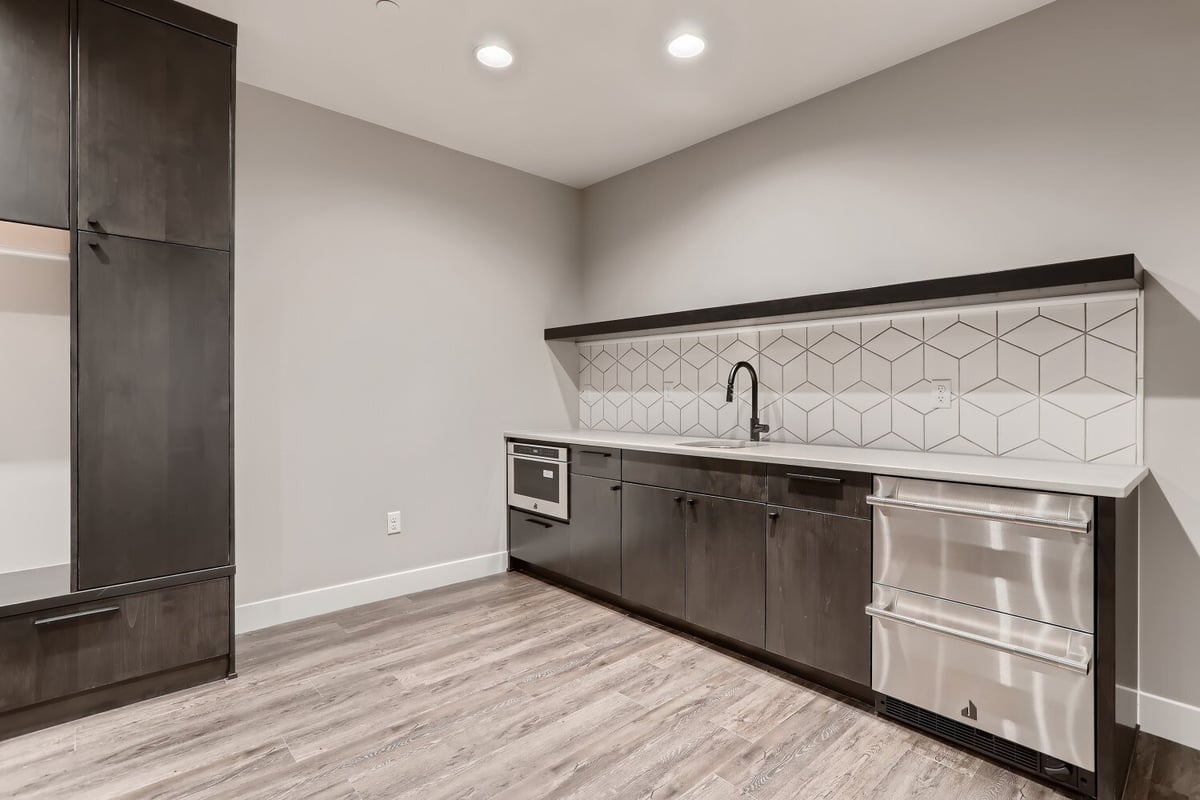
(540, 541)
(741, 480)
(814, 489)
(64, 651)
(598, 462)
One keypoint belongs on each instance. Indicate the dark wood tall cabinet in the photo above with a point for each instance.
(35, 102)
(117, 122)
(154, 410)
(155, 111)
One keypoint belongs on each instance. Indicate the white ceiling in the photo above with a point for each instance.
(592, 92)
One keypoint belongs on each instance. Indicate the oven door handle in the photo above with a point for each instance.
(1078, 526)
(1082, 666)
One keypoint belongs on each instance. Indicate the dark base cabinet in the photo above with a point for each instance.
(595, 532)
(818, 583)
(59, 655)
(725, 573)
(653, 553)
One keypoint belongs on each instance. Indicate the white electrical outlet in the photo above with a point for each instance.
(393, 522)
(943, 393)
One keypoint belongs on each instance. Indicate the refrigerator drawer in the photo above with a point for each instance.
(1025, 681)
(1014, 551)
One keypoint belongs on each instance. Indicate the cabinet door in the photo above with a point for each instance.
(818, 583)
(652, 548)
(539, 541)
(154, 129)
(726, 569)
(596, 532)
(35, 100)
(153, 470)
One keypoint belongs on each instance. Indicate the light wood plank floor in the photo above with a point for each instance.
(504, 688)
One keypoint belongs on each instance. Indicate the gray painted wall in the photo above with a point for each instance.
(1073, 131)
(364, 259)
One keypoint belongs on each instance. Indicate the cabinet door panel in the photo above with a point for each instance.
(596, 532)
(818, 583)
(35, 101)
(652, 548)
(726, 569)
(154, 129)
(153, 410)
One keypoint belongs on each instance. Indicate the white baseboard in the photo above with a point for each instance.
(1170, 719)
(290, 607)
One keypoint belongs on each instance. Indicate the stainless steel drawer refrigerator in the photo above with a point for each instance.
(991, 612)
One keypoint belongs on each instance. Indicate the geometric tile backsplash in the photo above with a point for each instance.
(1060, 381)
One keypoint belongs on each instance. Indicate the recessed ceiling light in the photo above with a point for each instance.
(493, 56)
(686, 45)
(387, 6)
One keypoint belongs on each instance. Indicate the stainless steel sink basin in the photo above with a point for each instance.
(722, 444)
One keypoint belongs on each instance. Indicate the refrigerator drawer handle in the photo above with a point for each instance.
(1082, 666)
(1072, 525)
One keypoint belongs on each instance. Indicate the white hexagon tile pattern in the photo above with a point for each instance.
(1058, 381)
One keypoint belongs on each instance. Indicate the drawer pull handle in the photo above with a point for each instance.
(91, 612)
(1073, 525)
(773, 515)
(799, 476)
(1082, 666)
(539, 522)
(596, 453)
(616, 488)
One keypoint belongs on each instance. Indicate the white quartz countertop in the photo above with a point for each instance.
(1102, 480)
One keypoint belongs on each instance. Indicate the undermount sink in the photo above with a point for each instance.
(722, 444)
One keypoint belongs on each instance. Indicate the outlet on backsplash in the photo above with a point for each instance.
(943, 392)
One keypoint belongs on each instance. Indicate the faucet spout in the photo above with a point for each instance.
(756, 428)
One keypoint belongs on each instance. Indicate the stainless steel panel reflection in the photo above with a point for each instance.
(1043, 705)
(1041, 571)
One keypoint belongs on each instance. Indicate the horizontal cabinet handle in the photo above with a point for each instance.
(543, 523)
(616, 488)
(799, 476)
(92, 612)
(1081, 526)
(596, 453)
(1082, 666)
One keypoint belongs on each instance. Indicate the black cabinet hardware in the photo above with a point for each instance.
(596, 453)
(678, 499)
(773, 515)
(616, 488)
(539, 522)
(691, 501)
(91, 612)
(799, 476)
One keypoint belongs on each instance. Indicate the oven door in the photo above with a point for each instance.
(538, 485)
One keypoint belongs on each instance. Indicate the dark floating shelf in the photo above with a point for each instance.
(1108, 273)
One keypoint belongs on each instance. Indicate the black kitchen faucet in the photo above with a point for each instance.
(757, 429)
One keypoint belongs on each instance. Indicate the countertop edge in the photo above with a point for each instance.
(1119, 482)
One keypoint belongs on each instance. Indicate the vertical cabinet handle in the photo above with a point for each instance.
(678, 499)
